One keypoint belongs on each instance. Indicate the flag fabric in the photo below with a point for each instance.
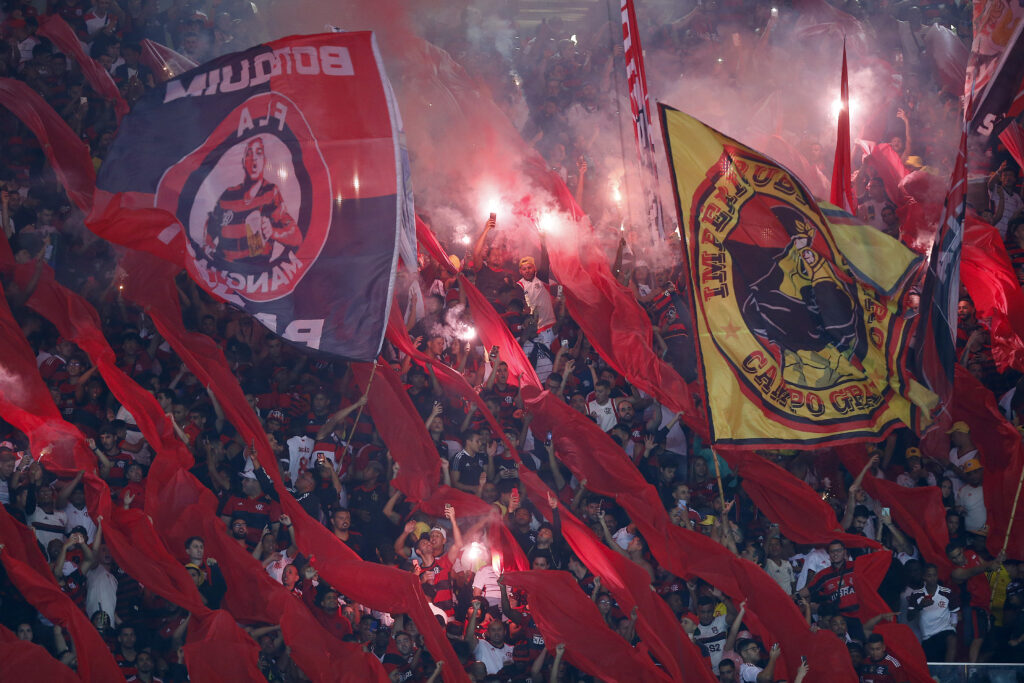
(801, 514)
(1001, 452)
(841, 193)
(918, 511)
(1013, 137)
(995, 67)
(65, 151)
(151, 286)
(935, 335)
(164, 62)
(987, 273)
(772, 614)
(800, 340)
(490, 328)
(640, 107)
(23, 660)
(129, 534)
(563, 612)
(57, 30)
(276, 194)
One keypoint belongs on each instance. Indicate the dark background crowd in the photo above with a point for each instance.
(561, 82)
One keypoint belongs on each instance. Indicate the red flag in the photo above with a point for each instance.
(800, 513)
(640, 106)
(490, 328)
(31, 575)
(868, 571)
(625, 580)
(129, 533)
(608, 314)
(841, 193)
(52, 26)
(562, 612)
(63, 148)
(591, 454)
(164, 62)
(23, 660)
(1013, 137)
(988, 275)
(151, 285)
(405, 435)
(1002, 456)
(918, 511)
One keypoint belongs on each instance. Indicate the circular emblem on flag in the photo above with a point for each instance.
(255, 201)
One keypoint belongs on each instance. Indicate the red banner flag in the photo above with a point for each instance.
(562, 612)
(800, 513)
(23, 660)
(65, 150)
(591, 454)
(31, 575)
(841, 193)
(52, 26)
(917, 511)
(640, 106)
(1002, 457)
(988, 275)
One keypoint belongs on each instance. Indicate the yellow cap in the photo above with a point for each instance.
(959, 428)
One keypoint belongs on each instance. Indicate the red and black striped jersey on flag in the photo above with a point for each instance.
(233, 228)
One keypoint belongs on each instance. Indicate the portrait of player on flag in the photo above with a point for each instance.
(250, 222)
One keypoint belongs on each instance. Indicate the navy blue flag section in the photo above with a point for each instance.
(278, 179)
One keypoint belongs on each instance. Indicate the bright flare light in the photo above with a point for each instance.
(547, 222)
(355, 182)
(496, 562)
(837, 107)
(573, 38)
(616, 194)
(775, 11)
(467, 334)
(491, 204)
(465, 240)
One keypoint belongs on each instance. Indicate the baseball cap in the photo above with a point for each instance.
(276, 415)
(443, 532)
(959, 428)
(708, 520)
(913, 452)
(972, 464)
(691, 616)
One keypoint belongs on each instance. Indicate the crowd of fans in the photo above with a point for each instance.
(332, 458)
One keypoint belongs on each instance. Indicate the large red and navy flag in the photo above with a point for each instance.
(801, 340)
(277, 177)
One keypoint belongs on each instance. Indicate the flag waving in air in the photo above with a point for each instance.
(799, 336)
(279, 182)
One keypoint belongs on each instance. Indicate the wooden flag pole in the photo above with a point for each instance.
(721, 489)
(359, 413)
(1013, 512)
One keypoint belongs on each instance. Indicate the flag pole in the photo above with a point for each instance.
(366, 393)
(1013, 512)
(718, 476)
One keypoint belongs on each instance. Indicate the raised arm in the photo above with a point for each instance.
(338, 416)
(457, 542)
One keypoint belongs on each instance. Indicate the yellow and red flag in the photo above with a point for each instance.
(801, 339)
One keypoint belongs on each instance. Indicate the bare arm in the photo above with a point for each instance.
(338, 416)
(478, 248)
(768, 674)
(556, 470)
(557, 664)
(457, 542)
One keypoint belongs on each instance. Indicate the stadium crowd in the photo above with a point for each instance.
(333, 459)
